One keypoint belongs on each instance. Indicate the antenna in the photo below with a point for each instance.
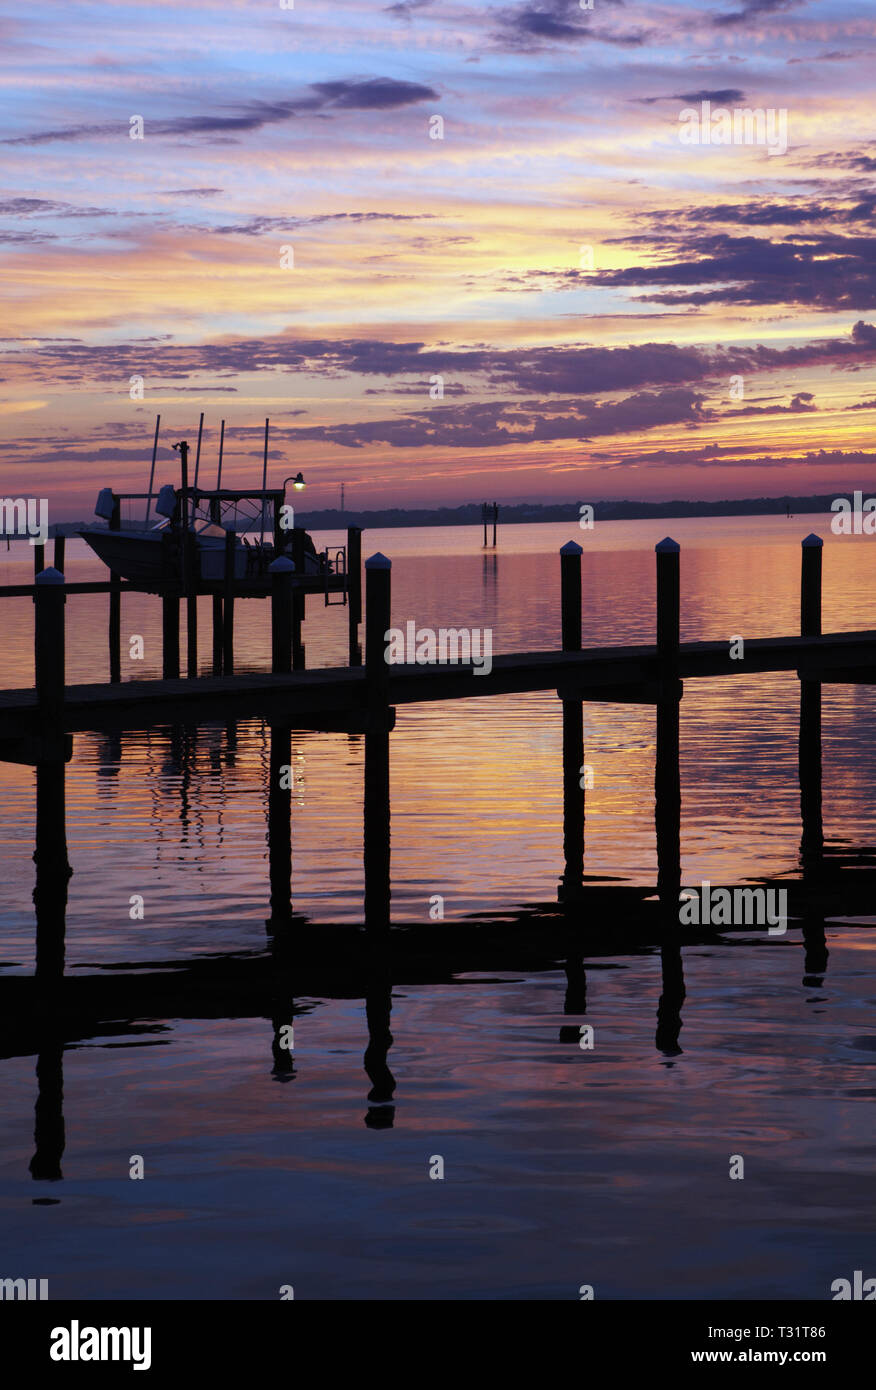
(152, 471)
(264, 480)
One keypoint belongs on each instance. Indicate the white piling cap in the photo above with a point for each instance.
(571, 548)
(50, 576)
(812, 539)
(667, 546)
(282, 565)
(378, 562)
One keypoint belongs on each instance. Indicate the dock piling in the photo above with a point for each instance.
(376, 844)
(282, 571)
(570, 596)
(169, 611)
(809, 746)
(667, 775)
(49, 601)
(228, 606)
(115, 606)
(354, 592)
(573, 728)
(50, 855)
(298, 600)
(378, 604)
(190, 560)
(217, 634)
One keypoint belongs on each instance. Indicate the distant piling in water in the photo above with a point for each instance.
(490, 513)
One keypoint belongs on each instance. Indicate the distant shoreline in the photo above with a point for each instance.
(332, 519)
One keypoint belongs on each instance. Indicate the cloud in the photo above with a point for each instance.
(834, 57)
(723, 96)
(495, 424)
(190, 192)
(720, 96)
(374, 94)
(532, 26)
(754, 10)
(545, 371)
(259, 226)
(848, 159)
(405, 8)
(827, 272)
(43, 207)
(758, 212)
(360, 94)
(711, 455)
(802, 403)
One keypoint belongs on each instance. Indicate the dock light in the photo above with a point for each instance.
(298, 482)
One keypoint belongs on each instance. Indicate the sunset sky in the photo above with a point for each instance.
(567, 374)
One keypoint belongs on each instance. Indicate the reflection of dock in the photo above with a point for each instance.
(40, 1016)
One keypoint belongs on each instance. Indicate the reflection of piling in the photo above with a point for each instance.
(667, 777)
(378, 579)
(809, 758)
(354, 592)
(575, 1001)
(815, 945)
(280, 828)
(669, 1023)
(49, 1134)
(378, 1011)
(284, 1056)
(573, 727)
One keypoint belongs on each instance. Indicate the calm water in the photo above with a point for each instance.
(562, 1166)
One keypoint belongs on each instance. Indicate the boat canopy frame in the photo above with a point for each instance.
(220, 503)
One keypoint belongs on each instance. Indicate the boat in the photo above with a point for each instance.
(151, 555)
(140, 557)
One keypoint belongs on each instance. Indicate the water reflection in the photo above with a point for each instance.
(598, 918)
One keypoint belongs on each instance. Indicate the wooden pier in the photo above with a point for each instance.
(37, 725)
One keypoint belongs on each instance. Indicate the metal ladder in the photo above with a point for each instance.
(336, 564)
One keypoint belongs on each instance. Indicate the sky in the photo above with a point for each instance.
(454, 251)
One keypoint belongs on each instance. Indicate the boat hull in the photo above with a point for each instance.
(137, 555)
